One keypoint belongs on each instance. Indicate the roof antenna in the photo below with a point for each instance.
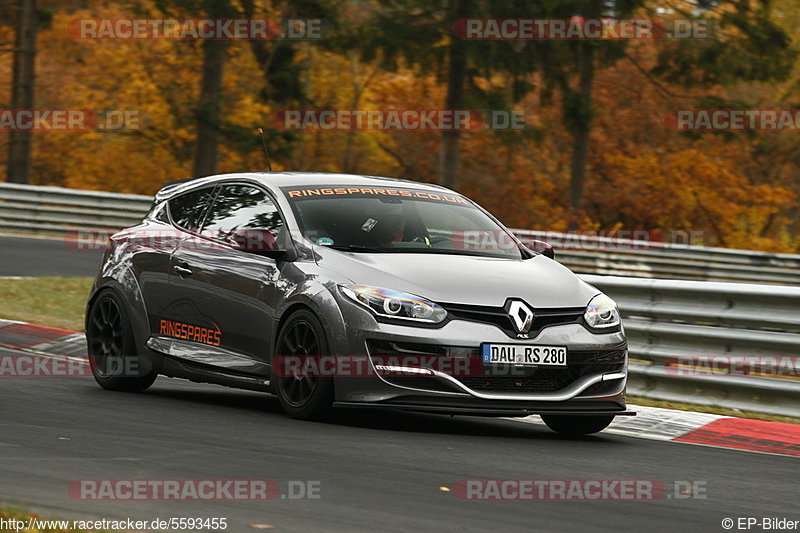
(266, 152)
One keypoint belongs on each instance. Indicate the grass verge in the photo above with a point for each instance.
(49, 301)
(713, 409)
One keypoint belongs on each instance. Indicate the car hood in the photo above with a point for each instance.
(463, 279)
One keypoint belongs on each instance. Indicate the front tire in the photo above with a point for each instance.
(112, 350)
(577, 424)
(304, 397)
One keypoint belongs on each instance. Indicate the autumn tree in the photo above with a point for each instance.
(209, 106)
(419, 34)
(22, 89)
(736, 189)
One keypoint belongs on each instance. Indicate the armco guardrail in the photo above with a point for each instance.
(38, 209)
(700, 342)
(664, 319)
(650, 259)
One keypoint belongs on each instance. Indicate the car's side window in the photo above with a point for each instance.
(187, 209)
(239, 207)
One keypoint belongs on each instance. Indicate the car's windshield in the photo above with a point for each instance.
(399, 220)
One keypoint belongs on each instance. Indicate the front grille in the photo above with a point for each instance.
(541, 379)
(543, 317)
(541, 382)
(499, 378)
(546, 379)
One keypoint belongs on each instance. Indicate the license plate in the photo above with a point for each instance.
(524, 355)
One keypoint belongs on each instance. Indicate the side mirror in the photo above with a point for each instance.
(260, 241)
(543, 248)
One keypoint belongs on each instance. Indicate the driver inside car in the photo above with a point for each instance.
(388, 226)
(389, 229)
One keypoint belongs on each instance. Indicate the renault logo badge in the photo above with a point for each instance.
(521, 316)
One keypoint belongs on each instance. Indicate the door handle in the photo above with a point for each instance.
(182, 271)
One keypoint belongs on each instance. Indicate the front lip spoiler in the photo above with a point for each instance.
(477, 411)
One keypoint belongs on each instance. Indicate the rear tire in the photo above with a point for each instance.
(304, 397)
(577, 424)
(113, 358)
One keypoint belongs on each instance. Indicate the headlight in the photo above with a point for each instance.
(393, 304)
(601, 313)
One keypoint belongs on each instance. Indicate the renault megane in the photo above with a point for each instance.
(333, 290)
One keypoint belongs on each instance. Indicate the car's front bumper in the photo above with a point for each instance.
(593, 382)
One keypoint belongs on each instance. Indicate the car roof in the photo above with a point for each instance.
(275, 180)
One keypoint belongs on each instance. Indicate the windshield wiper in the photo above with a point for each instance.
(357, 248)
(450, 251)
(438, 251)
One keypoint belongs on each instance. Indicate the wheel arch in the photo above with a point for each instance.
(124, 285)
(317, 299)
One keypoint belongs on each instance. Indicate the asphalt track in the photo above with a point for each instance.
(378, 471)
(32, 256)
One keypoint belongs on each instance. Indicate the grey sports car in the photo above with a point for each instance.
(334, 290)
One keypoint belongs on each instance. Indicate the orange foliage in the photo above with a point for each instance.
(641, 175)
